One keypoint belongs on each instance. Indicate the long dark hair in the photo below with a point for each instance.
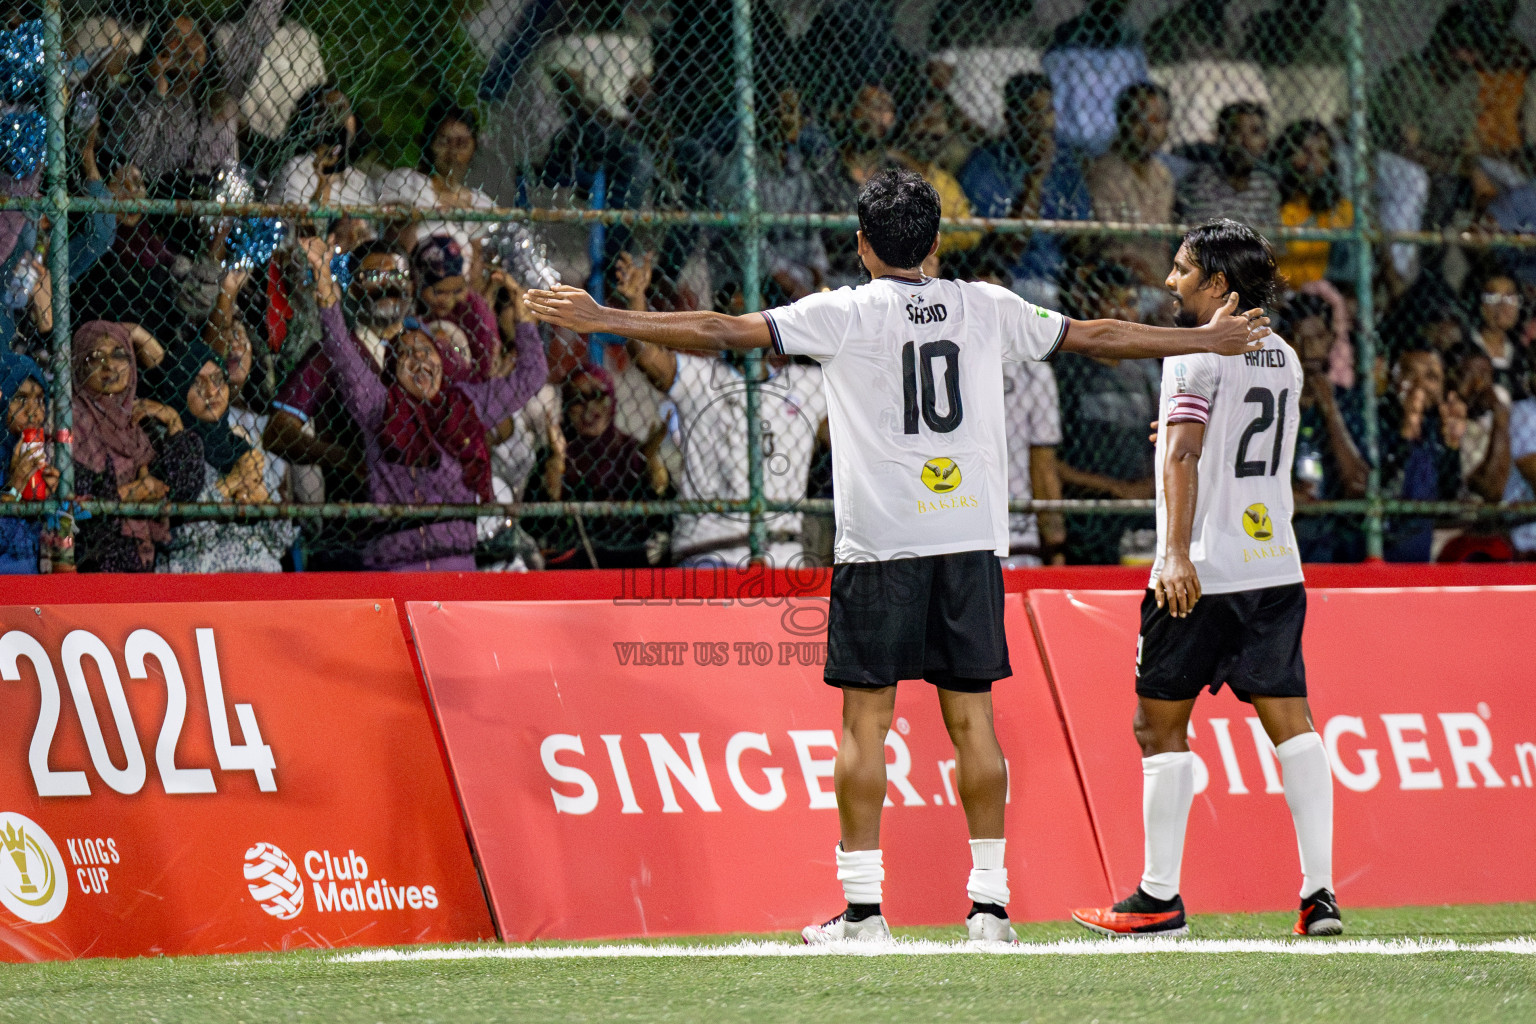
(1239, 253)
(441, 113)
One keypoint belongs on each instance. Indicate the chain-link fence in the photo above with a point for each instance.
(266, 259)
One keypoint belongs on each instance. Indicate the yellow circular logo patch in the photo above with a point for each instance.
(1256, 522)
(941, 475)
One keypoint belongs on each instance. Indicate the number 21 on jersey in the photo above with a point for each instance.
(917, 369)
(1265, 400)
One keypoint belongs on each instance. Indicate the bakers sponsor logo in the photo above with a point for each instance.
(941, 504)
(33, 883)
(940, 475)
(1256, 522)
(273, 881)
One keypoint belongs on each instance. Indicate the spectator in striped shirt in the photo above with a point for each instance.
(1236, 185)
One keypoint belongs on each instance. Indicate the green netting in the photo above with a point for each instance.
(696, 154)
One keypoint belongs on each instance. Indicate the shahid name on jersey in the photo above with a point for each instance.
(914, 381)
(1241, 538)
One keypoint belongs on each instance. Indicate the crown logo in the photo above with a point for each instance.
(15, 842)
(36, 889)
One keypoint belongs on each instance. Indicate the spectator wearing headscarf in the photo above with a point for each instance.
(424, 434)
(24, 393)
(460, 321)
(193, 382)
(115, 459)
(590, 459)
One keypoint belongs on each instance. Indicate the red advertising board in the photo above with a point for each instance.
(665, 767)
(1423, 698)
(206, 778)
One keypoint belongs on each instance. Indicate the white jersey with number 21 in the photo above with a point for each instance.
(914, 381)
(1242, 537)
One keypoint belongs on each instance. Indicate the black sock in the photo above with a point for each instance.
(857, 912)
(987, 908)
(1159, 906)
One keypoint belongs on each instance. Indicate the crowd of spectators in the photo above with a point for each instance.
(389, 358)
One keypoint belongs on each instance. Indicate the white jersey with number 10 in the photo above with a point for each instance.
(914, 381)
(1242, 537)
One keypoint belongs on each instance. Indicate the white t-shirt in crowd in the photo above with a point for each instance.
(251, 426)
(711, 399)
(297, 182)
(914, 376)
(410, 187)
(1241, 537)
(513, 460)
(1033, 413)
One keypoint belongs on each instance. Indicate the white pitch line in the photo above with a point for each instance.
(924, 947)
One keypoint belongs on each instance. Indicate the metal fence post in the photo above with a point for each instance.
(1360, 189)
(58, 268)
(751, 235)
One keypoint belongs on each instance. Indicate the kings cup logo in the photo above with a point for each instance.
(274, 881)
(33, 882)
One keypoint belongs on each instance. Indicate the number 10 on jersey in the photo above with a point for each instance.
(917, 366)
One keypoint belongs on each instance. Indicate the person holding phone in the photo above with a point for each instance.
(28, 474)
(323, 137)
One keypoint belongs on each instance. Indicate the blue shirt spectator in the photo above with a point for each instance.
(1027, 174)
(1090, 59)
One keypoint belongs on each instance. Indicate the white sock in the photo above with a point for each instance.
(861, 873)
(1309, 792)
(989, 878)
(1167, 791)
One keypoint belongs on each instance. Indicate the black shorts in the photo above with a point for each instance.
(938, 618)
(1250, 640)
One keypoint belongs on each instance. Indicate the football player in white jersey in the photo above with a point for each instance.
(913, 372)
(1225, 604)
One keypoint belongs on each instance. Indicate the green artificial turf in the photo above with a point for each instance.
(1184, 987)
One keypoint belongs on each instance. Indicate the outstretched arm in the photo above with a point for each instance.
(1177, 586)
(1228, 334)
(565, 306)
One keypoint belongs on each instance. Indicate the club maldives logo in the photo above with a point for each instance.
(341, 882)
(33, 882)
(273, 880)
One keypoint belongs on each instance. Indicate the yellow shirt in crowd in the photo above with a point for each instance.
(1304, 262)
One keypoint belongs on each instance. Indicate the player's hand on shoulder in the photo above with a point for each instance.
(1231, 333)
(1178, 585)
